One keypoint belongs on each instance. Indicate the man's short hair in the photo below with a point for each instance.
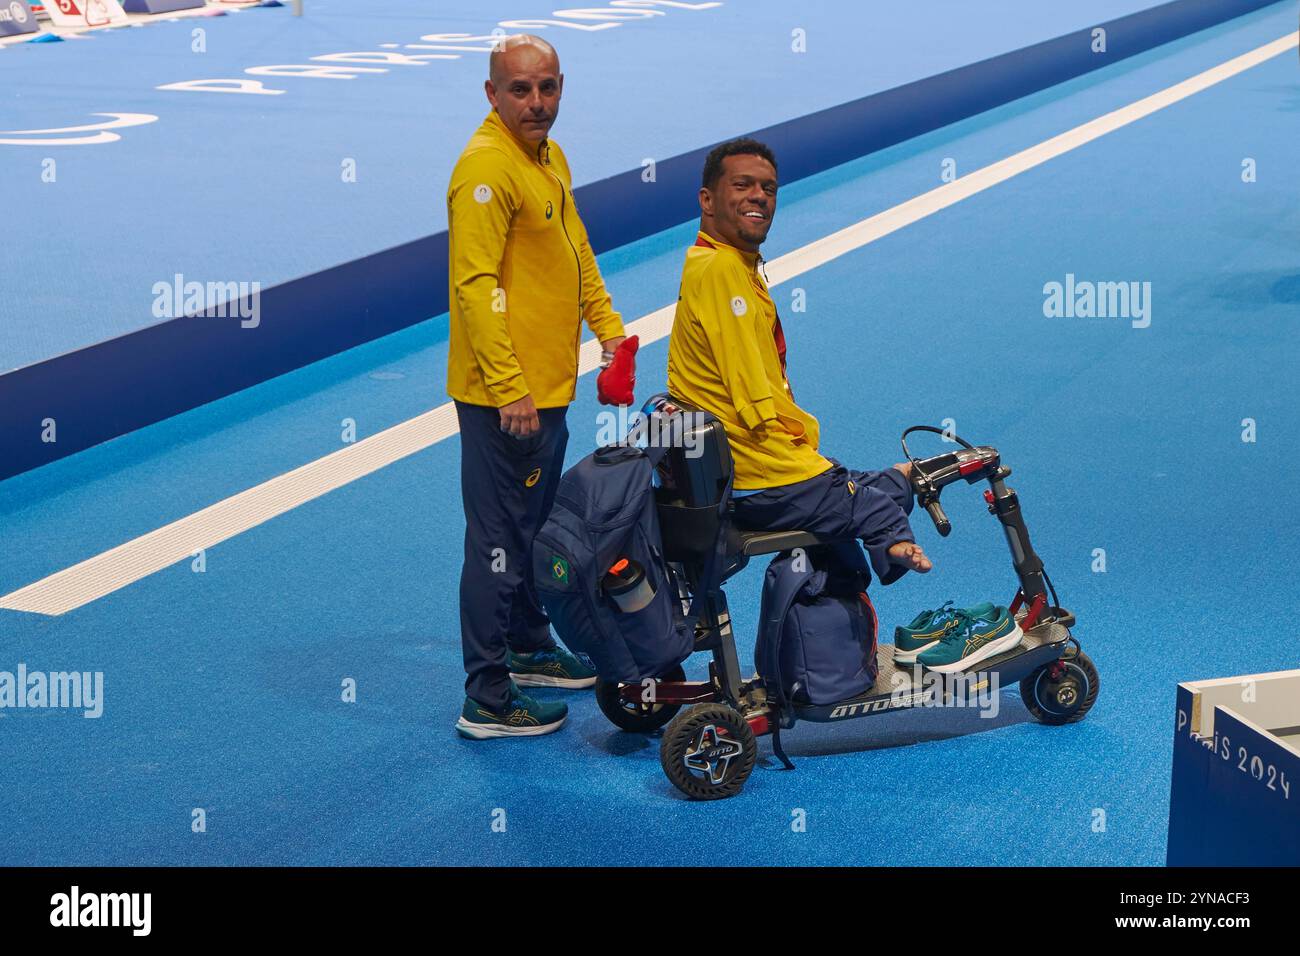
(734, 147)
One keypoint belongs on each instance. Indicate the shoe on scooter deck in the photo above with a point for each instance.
(899, 686)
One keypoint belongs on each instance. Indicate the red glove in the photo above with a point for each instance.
(614, 384)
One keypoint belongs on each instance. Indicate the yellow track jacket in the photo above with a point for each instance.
(522, 273)
(723, 357)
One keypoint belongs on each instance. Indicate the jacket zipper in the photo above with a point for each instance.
(563, 226)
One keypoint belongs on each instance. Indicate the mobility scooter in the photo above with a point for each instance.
(708, 749)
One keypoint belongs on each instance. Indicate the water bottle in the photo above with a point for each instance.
(627, 586)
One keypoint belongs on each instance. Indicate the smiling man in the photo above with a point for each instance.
(523, 279)
(727, 355)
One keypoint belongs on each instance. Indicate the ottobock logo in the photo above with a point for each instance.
(74, 908)
(18, 11)
(874, 706)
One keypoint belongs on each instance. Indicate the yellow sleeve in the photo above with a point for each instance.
(597, 307)
(481, 201)
(725, 305)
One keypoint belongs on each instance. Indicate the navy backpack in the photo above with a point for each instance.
(604, 514)
(817, 632)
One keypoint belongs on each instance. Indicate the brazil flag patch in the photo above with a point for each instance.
(559, 569)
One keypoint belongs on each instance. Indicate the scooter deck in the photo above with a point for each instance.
(900, 686)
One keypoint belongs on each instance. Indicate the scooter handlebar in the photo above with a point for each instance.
(941, 522)
(930, 475)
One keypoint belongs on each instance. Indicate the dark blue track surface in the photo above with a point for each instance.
(222, 688)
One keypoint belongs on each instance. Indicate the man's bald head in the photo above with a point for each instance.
(522, 49)
(524, 85)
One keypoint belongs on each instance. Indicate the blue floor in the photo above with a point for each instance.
(250, 187)
(223, 688)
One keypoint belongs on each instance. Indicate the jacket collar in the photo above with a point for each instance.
(535, 152)
(702, 238)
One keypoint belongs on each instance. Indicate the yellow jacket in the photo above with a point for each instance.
(522, 273)
(723, 357)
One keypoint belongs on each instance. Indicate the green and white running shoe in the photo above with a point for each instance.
(925, 631)
(552, 668)
(928, 628)
(522, 717)
(984, 631)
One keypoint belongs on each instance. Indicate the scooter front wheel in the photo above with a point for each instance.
(708, 752)
(1063, 691)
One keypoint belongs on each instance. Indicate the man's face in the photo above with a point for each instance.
(740, 206)
(526, 91)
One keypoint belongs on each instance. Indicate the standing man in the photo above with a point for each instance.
(523, 278)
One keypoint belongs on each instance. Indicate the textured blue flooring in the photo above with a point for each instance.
(222, 688)
(243, 187)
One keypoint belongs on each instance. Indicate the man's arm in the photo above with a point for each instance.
(481, 202)
(728, 312)
(597, 306)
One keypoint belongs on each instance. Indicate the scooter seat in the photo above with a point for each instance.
(750, 543)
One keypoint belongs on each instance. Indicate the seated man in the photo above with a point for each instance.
(727, 355)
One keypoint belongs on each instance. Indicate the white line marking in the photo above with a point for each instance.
(105, 573)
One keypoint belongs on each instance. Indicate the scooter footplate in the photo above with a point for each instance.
(899, 686)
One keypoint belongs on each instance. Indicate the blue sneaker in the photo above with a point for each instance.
(984, 631)
(928, 628)
(523, 717)
(923, 633)
(551, 668)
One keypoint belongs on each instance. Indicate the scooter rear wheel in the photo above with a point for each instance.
(708, 752)
(1066, 697)
(637, 718)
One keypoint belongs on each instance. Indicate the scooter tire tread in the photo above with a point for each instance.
(682, 732)
(1027, 683)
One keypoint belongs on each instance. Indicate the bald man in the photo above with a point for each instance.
(523, 279)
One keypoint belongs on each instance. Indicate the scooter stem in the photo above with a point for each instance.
(973, 463)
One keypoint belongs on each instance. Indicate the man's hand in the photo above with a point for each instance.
(906, 468)
(910, 555)
(615, 384)
(519, 418)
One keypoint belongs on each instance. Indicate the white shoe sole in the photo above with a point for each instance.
(544, 680)
(483, 731)
(992, 649)
(909, 657)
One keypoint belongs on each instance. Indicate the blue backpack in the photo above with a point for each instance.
(818, 629)
(604, 513)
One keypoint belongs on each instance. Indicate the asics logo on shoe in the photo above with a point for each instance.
(517, 718)
(976, 641)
